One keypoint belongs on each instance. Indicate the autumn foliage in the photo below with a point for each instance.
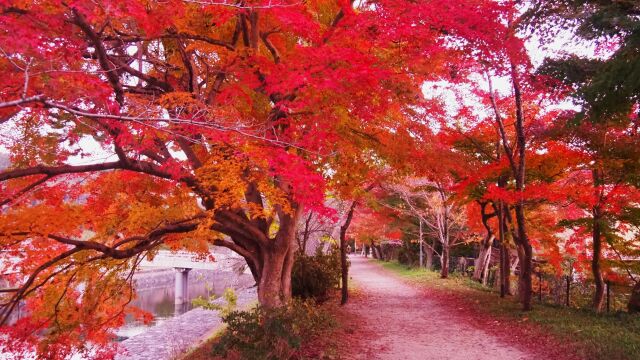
(138, 125)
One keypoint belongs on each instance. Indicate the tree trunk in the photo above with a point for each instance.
(287, 269)
(270, 291)
(485, 271)
(277, 258)
(518, 169)
(429, 253)
(343, 254)
(306, 233)
(378, 252)
(526, 263)
(481, 270)
(598, 296)
(525, 285)
(444, 260)
(478, 263)
(505, 257)
(505, 271)
(344, 268)
(482, 262)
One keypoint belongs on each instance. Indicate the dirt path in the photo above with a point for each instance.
(401, 323)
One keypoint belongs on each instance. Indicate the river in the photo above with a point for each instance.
(156, 290)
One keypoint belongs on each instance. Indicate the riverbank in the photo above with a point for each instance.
(176, 336)
(155, 291)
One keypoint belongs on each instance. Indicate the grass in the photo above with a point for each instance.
(595, 336)
(203, 351)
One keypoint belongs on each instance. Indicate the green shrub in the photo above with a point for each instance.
(313, 277)
(274, 334)
(211, 303)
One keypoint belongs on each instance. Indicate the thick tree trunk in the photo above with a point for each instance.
(274, 286)
(444, 261)
(270, 290)
(254, 270)
(287, 269)
(525, 285)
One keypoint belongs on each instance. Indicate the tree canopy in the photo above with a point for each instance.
(137, 125)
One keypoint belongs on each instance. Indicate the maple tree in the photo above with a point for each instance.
(438, 214)
(603, 131)
(220, 123)
(184, 124)
(372, 226)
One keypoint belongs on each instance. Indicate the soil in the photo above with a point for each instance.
(397, 320)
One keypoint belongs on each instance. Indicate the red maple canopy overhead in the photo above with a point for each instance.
(216, 122)
(137, 124)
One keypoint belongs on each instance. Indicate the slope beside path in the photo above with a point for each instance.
(400, 322)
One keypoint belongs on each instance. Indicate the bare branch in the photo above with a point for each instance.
(35, 98)
(51, 171)
(237, 5)
(25, 190)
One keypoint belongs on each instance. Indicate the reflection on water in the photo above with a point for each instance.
(156, 295)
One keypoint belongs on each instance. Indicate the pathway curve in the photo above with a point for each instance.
(401, 323)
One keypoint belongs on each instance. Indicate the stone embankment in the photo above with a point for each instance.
(175, 336)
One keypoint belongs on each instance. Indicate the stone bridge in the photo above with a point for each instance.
(183, 262)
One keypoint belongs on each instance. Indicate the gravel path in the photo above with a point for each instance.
(401, 323)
